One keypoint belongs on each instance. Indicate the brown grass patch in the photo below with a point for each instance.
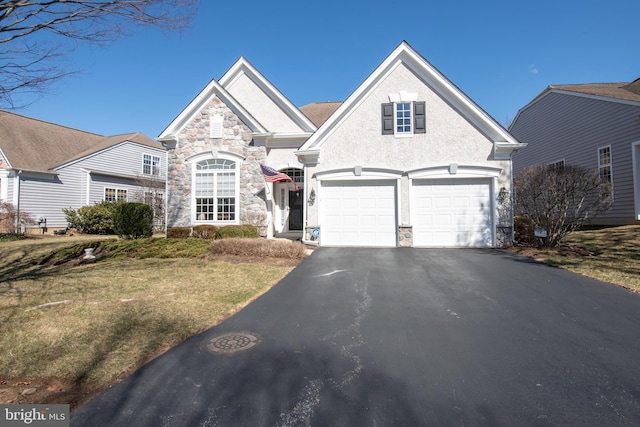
(71, 329)
(280, 251)
(609, 254)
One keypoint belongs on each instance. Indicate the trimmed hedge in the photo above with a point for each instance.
(178, 232)
(245, 230)
(204, 231)
(133, 220)
(207, 231)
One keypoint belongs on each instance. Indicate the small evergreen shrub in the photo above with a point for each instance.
(523, 230)
(133, 220)
(178, 232)
(204, 231)
(95, 219)
(229, 231)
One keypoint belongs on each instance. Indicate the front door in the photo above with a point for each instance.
(290, 205)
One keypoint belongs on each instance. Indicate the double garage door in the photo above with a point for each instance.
(456, 212)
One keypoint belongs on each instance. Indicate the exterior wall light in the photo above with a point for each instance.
(312, 197)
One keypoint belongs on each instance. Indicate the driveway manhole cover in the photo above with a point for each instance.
(233, 342)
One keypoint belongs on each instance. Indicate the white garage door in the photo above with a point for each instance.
(452, 212)
(358, 213)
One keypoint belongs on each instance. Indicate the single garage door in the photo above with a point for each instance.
(452, 212)
(358, 213)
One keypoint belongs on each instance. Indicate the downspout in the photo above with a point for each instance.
(16, 198)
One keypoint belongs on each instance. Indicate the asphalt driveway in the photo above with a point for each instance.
(406, 337)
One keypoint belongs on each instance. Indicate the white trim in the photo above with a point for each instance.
(223, 155)
(405, 55)
(610, 164)
(366, 174)
(635, 159)
(228, 155)
(158, 166)
(213, 89)
(461, 171)
(117, 189)
(4, 184)
(244, 67)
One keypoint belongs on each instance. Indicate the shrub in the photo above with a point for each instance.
(178, 232)
(204, 231)
(96, 219)
(560, 200)
(229, 231)
(261, 248)
(523, 230)
(133, 220)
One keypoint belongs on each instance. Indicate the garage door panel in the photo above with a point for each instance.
(358, 213)
(455, 212)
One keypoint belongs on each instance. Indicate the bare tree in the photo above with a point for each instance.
(151, 193)
(560, 199)
(35, 34)
(13, 221)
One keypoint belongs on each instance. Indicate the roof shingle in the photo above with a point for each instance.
(37, 145)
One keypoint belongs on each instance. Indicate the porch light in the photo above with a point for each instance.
(502, 195)
(312, 197)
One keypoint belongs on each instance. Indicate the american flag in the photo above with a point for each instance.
(272, 175)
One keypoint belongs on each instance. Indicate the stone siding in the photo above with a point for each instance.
(194, 138)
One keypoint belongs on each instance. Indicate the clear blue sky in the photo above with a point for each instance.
(500, 53)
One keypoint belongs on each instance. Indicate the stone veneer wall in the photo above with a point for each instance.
(195, 138)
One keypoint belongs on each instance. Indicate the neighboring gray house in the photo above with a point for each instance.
(592, 125)
(45, 167)
(406, 160)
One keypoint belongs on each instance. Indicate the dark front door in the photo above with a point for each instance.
(295, 210)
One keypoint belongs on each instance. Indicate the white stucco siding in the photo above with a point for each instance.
(449, 137)
(282, 158)
(256, 101)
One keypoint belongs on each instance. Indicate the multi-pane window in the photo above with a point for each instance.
(215, 190)
(403, 117)
(150, 164)
(604, 167)
(557, 166)
(115, 195)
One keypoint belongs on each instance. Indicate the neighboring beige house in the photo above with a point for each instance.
(45, 167)
(591, 125)
(407, 160)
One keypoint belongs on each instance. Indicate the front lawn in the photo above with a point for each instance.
(609, 254)
(69, 328)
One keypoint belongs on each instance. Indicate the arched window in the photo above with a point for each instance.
(215, 187)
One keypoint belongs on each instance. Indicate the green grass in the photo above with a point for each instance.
(89, 323)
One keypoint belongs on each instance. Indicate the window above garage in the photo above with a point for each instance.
(404, 115)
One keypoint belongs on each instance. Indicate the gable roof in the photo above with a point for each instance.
(404, 54)
(319, 112)
(210, 91)
(36, 145)
(624, 91)
(243, 68)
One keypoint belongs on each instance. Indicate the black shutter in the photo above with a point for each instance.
(387, 119)
(419, 120)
